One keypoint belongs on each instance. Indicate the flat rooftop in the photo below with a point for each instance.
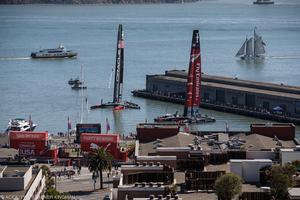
(236, 81)
(15, 171)
(252, 90)
(19, 193)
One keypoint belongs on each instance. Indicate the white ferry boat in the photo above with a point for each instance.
(59, 52)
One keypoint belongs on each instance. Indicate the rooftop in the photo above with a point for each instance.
(237, 81)
(15, 171)
(182, 141)
(260, 142)
(236, 84)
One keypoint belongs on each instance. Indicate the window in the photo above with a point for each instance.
(234, 100)
(297, 107)
(266, 105)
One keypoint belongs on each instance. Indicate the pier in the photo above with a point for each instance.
(243, 97)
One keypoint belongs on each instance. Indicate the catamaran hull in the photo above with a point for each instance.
(125, 105)
(189, 120)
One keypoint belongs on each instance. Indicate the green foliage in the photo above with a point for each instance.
(99, 160)
(279, 186)
(228, 186)
(47, 173)
(280, 179)
(130, 150)
(53, 194)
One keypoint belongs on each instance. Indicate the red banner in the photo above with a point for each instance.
(28, 135)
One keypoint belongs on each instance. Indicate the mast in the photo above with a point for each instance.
(254, 36)
(249, 48)
(119, 67)
(258, 45)
(81, 94)
(193, 86)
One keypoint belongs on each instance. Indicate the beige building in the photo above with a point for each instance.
(21, 182)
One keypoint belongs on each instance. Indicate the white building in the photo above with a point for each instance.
(22, 182)
(289, 155)
(248, 170)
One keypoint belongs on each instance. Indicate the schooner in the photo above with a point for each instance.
(252, 48)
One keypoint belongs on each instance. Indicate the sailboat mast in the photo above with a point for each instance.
(119, 67)
(193, 96)
(254, 37)
(81, 94)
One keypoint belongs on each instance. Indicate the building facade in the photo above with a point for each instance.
(230, 92)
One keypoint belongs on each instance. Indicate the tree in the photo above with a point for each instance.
(130, 150)
(48, 178)
(228, 186)
(99, 160)
(281, 179)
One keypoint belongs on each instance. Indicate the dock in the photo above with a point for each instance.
(243, 97)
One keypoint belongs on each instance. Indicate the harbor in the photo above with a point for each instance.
(223, 117)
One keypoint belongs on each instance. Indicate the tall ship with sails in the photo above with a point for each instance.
(193, 90)
(118, 103)
(252, 48)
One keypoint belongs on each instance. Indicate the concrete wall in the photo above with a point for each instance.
(138, 192)
(36, 189)
(289, 156)
(281, 131)
(165, 160)
(260, 155)
(16, 183)
(249, 169)
(27, 176)
(164, 85)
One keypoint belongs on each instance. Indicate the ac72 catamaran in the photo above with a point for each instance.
(118, 103)
(252, 48)
(193, 90)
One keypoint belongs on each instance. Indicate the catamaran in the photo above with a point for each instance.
(252, 48)
(118, 103)
(193, 90)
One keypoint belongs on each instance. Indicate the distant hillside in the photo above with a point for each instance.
(90, 1)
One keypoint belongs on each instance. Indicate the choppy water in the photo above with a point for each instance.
(157, 38)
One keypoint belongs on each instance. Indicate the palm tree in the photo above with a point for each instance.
(99, 160)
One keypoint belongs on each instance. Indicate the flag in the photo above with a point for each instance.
(69, 123)
(30, 122)
(226, 127)
(87, 105)
(121, 44)
(107, 126)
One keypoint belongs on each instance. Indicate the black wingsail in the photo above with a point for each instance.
(119, 68)
(118, 103)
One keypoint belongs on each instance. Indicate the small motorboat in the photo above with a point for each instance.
(74, 81)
